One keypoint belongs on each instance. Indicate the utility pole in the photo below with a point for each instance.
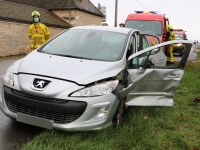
(116, 6)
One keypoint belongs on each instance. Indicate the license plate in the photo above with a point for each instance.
(36, 121)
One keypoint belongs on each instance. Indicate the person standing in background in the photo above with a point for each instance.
(195, 46)
(38, 33)
(170, 36)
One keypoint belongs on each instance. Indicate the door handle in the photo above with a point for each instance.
(160, 58)
(173, 76)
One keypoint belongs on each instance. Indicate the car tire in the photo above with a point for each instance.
(119, 114)
(121, 109)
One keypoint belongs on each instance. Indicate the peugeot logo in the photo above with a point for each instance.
(39, 84)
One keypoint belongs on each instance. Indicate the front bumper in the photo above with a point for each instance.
(71, 114)
(58, 110)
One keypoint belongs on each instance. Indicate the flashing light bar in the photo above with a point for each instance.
(147, 12)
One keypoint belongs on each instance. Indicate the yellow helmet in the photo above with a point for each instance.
(169, 27)
(35, 13)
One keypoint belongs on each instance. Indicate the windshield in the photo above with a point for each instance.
(152, 27)
(178, 36)
(88, 44)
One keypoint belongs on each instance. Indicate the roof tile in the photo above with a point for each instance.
(86, 5)
(22, 13)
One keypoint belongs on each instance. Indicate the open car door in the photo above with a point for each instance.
(150, 85)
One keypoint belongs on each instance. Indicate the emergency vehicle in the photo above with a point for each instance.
(179, 34)
(149, 22)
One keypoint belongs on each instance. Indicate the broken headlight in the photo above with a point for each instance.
(97, 90)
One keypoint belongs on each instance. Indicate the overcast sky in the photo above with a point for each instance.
(182, 14)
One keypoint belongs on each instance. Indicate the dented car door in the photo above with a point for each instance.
(150, 85)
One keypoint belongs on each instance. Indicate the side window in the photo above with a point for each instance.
(130, 47)
(167, 60)
(130, 43)
(139, 61)
(146, 41)
(153, 41)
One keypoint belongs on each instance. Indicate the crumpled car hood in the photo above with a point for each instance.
(81, 71)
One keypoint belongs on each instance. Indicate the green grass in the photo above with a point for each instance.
(144, 128)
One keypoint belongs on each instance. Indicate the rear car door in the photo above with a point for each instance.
(150, 85)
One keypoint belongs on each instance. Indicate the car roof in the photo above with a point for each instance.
(105, 28)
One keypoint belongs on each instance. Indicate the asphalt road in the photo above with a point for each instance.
(192, 55)
(14, 134)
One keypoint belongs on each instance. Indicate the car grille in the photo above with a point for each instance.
(57, 117)
(19, 93)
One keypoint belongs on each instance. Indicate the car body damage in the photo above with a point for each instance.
(84, 78)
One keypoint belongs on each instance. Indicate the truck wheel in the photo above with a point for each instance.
(181, 52)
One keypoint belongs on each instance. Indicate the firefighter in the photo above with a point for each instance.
(170, 36)
(38, 32)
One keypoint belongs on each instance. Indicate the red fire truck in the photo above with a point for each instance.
(179, 34)
(148, 21)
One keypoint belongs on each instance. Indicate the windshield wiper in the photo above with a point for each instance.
(72, 56)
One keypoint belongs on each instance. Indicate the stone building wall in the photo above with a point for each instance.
(14, 39)
(78, 18)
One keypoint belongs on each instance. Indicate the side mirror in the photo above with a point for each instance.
(154, 51)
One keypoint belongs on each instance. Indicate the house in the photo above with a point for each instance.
(76, 12)
(58, 15)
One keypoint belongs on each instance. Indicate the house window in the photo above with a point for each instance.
(69, 18)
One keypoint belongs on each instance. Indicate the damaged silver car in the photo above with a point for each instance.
(84, 78)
